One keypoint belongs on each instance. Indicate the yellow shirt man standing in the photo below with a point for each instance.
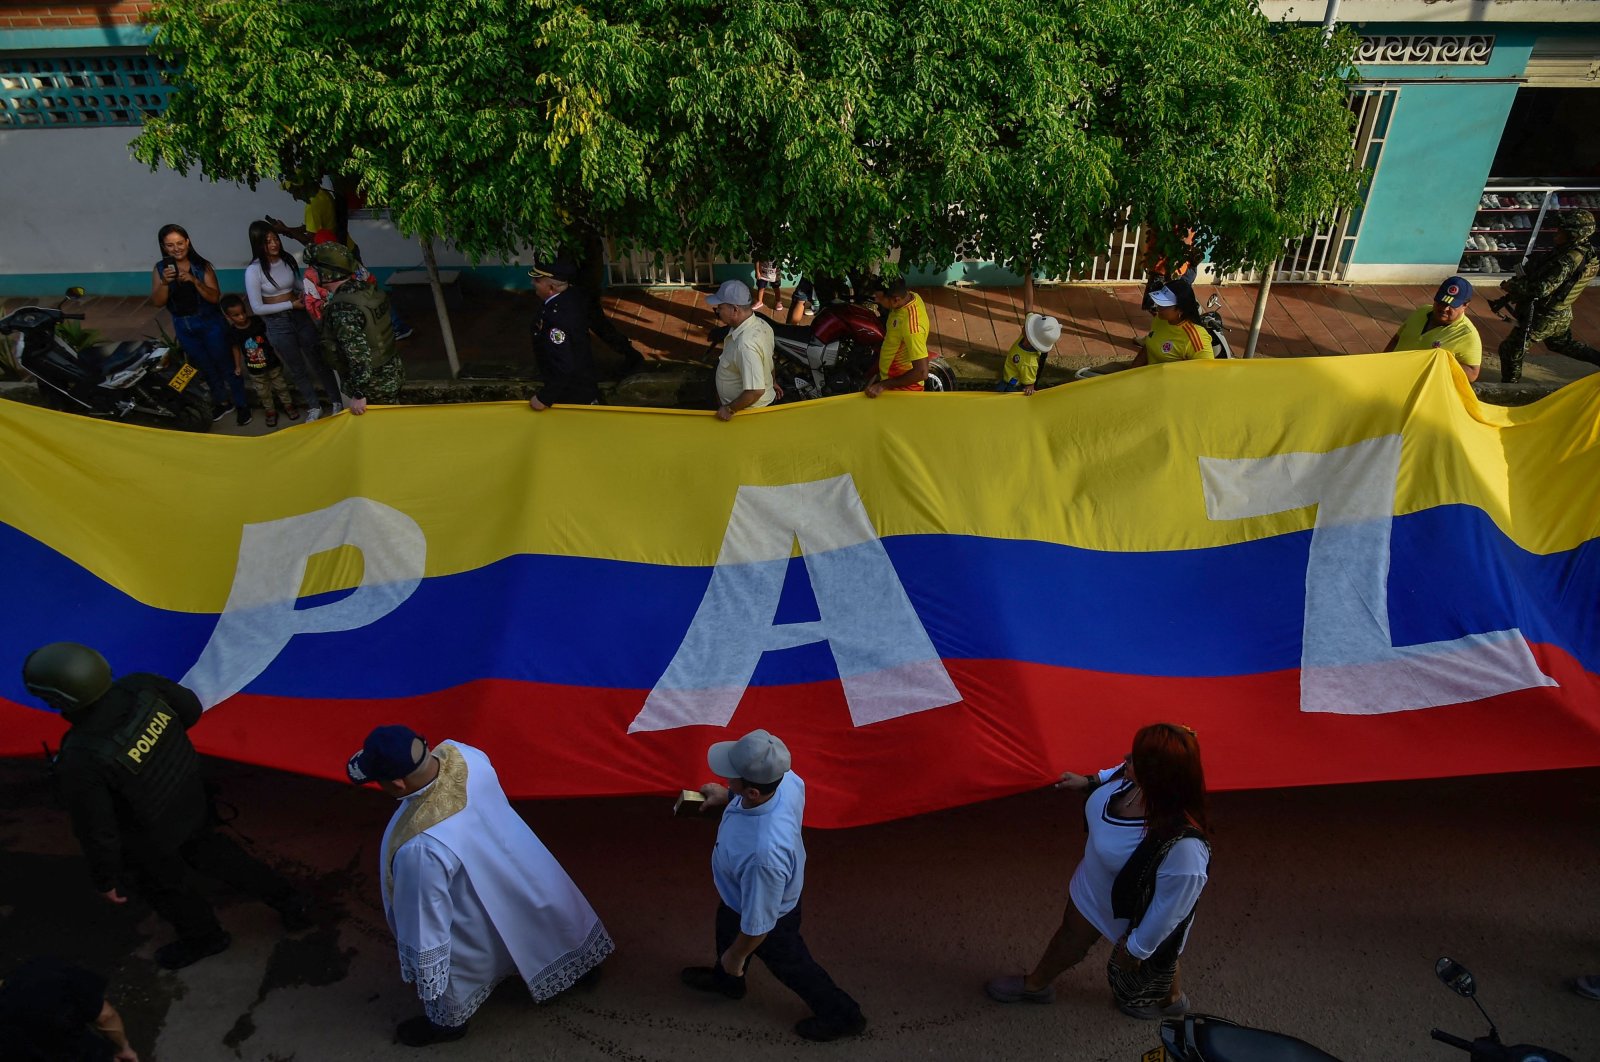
(1444, 325)
(903, 358)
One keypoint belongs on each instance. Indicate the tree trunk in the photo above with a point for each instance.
(440, 308)
(1261, 310)
(1027, 291)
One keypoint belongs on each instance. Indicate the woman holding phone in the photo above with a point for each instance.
(186, 284)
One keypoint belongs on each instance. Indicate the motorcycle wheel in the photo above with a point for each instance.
(195, 414)
(939, 379)
(183, 412)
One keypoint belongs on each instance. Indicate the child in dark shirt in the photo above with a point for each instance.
(252, 354)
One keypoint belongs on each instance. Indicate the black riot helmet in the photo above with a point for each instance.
(67, 676)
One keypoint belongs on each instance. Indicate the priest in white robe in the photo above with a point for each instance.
(471, 894)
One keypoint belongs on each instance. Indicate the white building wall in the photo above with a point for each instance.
(76, 208)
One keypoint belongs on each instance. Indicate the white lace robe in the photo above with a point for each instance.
(478, 898)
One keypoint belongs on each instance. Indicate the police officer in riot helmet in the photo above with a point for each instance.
(131, 782)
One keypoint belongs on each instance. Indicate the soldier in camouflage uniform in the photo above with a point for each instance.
(1544, 295)
(357, 339)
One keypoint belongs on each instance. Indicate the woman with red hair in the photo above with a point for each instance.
(1143, 869)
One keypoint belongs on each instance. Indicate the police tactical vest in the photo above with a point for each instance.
(159, 767)
(374, 307)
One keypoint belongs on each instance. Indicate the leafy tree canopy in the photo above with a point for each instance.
(828, 132)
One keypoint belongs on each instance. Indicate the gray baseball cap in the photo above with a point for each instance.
(757, 757)
(734, 293)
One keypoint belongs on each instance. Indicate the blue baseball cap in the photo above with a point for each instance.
(1455, 291)
(388, 754)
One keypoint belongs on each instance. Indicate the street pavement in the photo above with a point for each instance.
(1325, 912)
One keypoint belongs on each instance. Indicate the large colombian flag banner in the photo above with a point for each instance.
(1335, 569)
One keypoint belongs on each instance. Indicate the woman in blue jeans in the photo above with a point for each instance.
(186, 285)
(276, 292)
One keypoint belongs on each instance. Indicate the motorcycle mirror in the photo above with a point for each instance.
(1456, 978)
(74, 292)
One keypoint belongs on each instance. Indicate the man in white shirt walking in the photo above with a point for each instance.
(759, 869)
(471, 894)
(744, 372)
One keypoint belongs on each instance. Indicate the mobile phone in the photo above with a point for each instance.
(167, 263)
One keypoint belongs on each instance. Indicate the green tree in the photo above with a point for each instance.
(492, 122)
(1228, 123)
(830, 132)
(762, 139)
(1029, 131)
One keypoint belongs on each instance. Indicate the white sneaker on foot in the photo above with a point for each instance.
(314, 413)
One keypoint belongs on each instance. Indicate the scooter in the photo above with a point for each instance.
(103, 381)
(1210, 320)
(1203, 1038)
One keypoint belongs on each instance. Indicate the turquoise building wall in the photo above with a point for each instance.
(1441, 143)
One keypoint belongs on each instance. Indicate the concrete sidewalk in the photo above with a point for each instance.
(972, 327)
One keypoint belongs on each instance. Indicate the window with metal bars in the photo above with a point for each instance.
(65, 90)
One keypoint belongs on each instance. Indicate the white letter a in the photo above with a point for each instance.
(886, 661)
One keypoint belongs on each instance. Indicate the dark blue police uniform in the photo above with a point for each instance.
(561, 343)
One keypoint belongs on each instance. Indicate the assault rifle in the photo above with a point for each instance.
(1522, 315)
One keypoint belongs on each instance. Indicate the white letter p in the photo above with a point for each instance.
(260, 616)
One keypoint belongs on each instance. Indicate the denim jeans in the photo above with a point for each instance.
(205, 341)
(299, 347)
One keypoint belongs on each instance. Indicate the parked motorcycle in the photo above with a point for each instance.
(1203, 1038)
(1210, 320)
(115, 382)
(835, 354)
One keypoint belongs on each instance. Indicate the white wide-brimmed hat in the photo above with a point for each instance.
(1042, 331)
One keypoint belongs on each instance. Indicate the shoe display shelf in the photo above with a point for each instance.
(1516, 221)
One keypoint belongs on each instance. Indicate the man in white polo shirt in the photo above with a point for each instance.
(759, 867)
(744, 372)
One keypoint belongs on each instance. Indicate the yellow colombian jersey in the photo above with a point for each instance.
(1184, 341)
(321, 214)
(1022, 365)
(905, 341)
(1459, 337)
